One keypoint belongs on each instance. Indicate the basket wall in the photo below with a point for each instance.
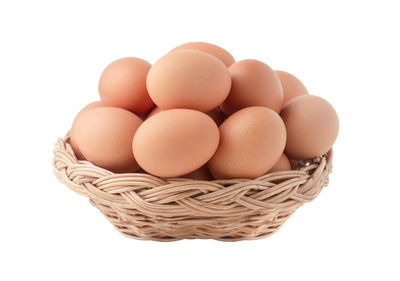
(143, 206)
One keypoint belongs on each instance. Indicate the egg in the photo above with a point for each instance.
(154, 111)
(283, 164)
(104, 136)
(253, 84)
(73, 142)
(215, 114)
(291, 85)
(312, 126)
(188, 79)
(123, 84)
(251, 142)
(175, 142)
(209, 48)
(201, 173)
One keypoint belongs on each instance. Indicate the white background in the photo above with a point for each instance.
(51, 56)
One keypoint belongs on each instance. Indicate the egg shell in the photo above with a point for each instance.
(253, 84)
(251, 142)
(201, 173)
(154, 111)
(209, 48)
(72, 140)
(123, 84)
(215, 114)
(312, 126)
(104, 136)
(175, 142)
(188, 79)
(291, 85)
(283, 164)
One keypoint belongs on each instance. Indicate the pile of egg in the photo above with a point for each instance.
(196, 113)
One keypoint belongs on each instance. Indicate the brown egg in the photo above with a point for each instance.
(292, 87)
(123, 84)
(208, 48)
(188, 79)
(175, 142)
(283, 164)
(73, 142)
(201, 173)
(253, 84)
(312, 126)
(215, 114)
(251, 142)
(154, 111)
(104, 136)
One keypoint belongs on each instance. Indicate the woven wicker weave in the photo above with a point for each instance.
(143, 206)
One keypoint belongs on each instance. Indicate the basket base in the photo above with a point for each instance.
(251, 227)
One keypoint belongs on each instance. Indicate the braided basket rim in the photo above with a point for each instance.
(146, 207)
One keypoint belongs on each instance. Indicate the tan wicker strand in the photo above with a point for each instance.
(143, 206)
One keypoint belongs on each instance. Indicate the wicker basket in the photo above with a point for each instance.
(143, 206)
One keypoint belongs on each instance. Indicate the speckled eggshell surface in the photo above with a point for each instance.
(252, 141)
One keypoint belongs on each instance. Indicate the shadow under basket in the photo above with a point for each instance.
(143, 206)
